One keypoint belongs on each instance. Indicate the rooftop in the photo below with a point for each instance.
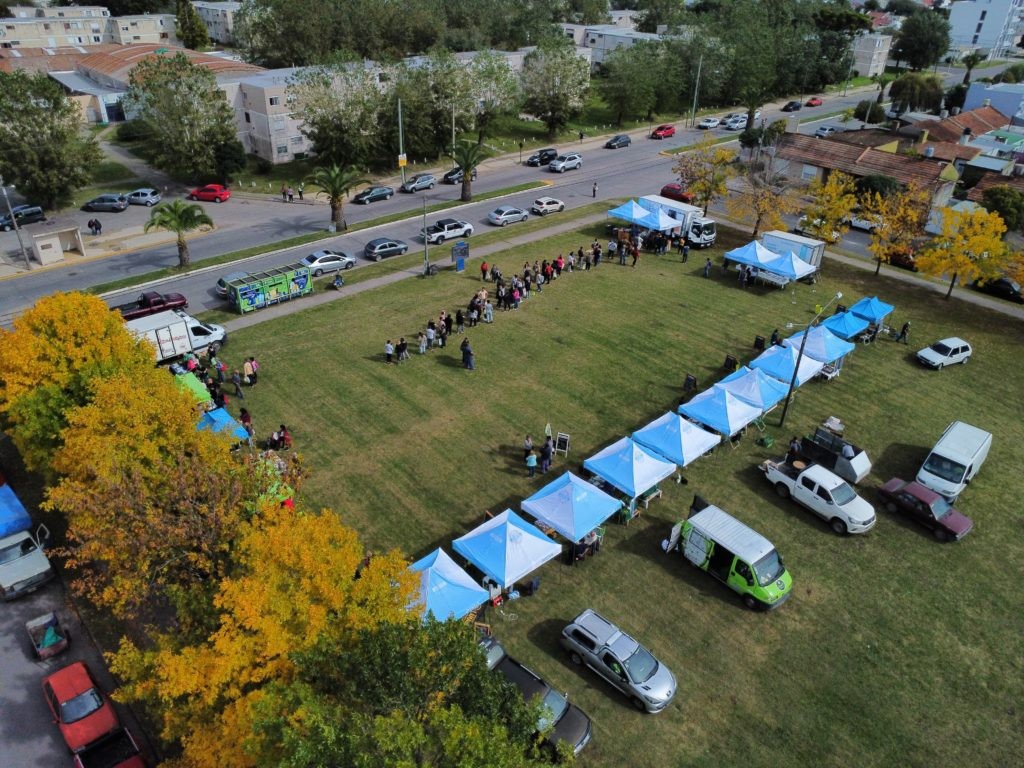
(979, 121)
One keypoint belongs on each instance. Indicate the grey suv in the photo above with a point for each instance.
(23, 214)
(418, 182)
(563, 163)
(593, 640)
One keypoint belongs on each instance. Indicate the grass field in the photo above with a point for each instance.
(894, 651)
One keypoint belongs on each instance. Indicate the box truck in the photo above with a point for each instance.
(806, 248)
(23, 565)
(174, 333)
(699, 230)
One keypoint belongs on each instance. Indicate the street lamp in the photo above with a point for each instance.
(426, 255)
(800, 354)
(14, 223)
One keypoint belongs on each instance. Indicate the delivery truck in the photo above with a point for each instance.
(24, 566)
(174, 333)
(810, 250)
(700, 231)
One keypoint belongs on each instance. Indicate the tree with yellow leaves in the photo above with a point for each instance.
(969, 247)
(833, 201)
(761, 202)
(705, 171)
(899, 217)
(48, 362)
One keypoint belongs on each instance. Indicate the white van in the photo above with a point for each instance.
(955, 460)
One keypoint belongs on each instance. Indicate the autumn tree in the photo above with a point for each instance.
(899, 218)
(296, 576)
(970, 246)
(761, 201)
(48, 364)
(706, 171)
(834, 200)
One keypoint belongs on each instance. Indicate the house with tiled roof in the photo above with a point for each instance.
(994, 179)
(973, 122)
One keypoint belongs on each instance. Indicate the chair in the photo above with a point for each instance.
(731, 363)
(600, 534)
(830, 371)
(759, 343)
(483, 628)
(629, 512)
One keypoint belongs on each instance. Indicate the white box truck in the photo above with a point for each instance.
(806, 248)
(700, 231)
(174, 333)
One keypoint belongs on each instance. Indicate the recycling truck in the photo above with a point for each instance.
(700, 231)
(23, 565)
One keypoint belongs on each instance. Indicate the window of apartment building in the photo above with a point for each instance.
(282, 149)
(164, 36)
(76, 25)
(97, 39)
(124, 28)
(275, 101)
(134, 23)
(278, 123)
(248, 119)
(46, 26)
(296, 140)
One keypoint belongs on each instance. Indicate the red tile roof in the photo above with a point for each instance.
(990, 180)
(118, 63)
(980, 120)
(57, 59)
(858, 161)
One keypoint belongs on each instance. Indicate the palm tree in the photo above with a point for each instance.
(179, 217)
(883, 81)
(970, 61)
(335, 182)
(468, 155)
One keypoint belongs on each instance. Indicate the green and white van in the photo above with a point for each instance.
(746, 561)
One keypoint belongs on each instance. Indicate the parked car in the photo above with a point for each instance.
(454, 176)
(618, 141)
(111, 203)
(902, 257)
(735, 123)
(211, 193)
(418, 182)
(380, 247)
(814, 101)
(542, 206)
(566, 162)
(676, 192)
(81, 711)
(792, 106)
(1003, 287)
(946, 352)
(824, 131)
(21, 215)
(506, 214)
(708, 123)
(372, 194)
(663, 132)
(327, 261)
(147, 197)
(542, 157)
(594, 641)
(446, 229)
(925, 506)
(149, 303)
(230, 277)
(862, 221)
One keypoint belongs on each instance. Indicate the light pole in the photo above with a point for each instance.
(800, 355)
(426, 255)
(14, 223)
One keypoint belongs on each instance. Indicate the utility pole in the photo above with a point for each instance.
(696, 90)
(401, 142)
(426, 255)
(14, 223)
(453, 135)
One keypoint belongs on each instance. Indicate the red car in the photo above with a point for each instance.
(211, 193)
(81, 711)
(676, 192)
(814, 101)
(926, 507)
(663, 132)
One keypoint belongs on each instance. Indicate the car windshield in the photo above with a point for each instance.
(14, 551)
(768, 568)
(947, 469)
(843, 494)
(941, 349)
(552, 708)
(82, 705)
(940, 508)
(641, 665)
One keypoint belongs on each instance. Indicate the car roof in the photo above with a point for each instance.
(70, 681)
(505, 208)
(918, 491)
(545, 200)
(953, 341)
(722, 527)
(525, 679)
(380, 241)
(822, 476)
(597, 625)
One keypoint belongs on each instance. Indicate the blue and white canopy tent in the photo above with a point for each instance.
(506, 548)
(779, 362)
(822, 345)
(790, 265)
(219, 420)
(753, 254)
(872, 309)
(571, 506)
(720, 410)
(677, 439)
(630, 211)
(660, 221)
(446, 590)
(754, 386)
(845, 325)
(630, 467)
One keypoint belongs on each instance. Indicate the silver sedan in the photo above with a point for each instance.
(506, 214)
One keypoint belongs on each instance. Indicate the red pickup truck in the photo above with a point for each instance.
(151, 302)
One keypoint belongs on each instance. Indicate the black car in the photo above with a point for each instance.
(23, 214)
(454, 176)
(792, 106)
(1003, 287)
(371, 194)
(615, 142)
(543, 157)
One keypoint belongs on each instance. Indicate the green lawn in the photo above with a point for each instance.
(894, 651)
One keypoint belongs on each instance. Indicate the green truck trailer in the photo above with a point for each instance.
(262, 289)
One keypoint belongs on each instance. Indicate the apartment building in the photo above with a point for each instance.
(219, 18)
(601, 39)
(31, 27)
(870, 52)
(991, 25)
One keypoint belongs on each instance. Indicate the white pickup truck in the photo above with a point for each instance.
(825, 494)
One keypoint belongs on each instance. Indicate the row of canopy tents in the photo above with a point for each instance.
(788, 265)
(635, 213)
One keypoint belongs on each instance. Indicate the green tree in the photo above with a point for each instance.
(190, 27)
(629, 82)
(184, 112)
(876, 182)
(494, 89)
(956, 96)
(555, 82)
(969, 62)
(1008, 203)
(652, 14)
(43, 149)
(923, 39)
(588, 12)
(468, 155)
(1012, 74)
(335, 182)
(883, 81)
(916, 90)
(180, 218)
(903, 7)
(869, 111)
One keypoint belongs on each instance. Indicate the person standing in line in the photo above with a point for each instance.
(255, 370)
(301, 188)
(431, 334)
(904, 333)
(546, 452)
(449, 323)
(246, 420)
(236, 379)
(389, 351)
(442, 335)
(284, 193)
(707, 267)
(686, 250)
(484, 268)
(460, 321)
(402, 349)
(422, 339)
(247, 372)
(527, 446)
(531, 462)
(291, 195)
(488, 312)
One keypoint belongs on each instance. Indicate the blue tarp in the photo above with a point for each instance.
(754, 386)
(13, 516)
(790, 265)
(677, 439)
(720, 410)
(571, 506)
(219, 420)
(630, 467)
(753, 254)
(631, 211)
(873, 310)
(845, 325)
(779, 362)
(446, 590)
(822, 345)
(506, 548)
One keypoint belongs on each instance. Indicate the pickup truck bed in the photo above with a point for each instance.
(781, 465)
(118, 750)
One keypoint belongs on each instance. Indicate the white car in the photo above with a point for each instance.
(866, 223)
(946, 352)
(825, 131)
(542, 206)
(328, 261)
(708, 123)
(736, 123)
(567, 162)
(506, 214)
(147, 197)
